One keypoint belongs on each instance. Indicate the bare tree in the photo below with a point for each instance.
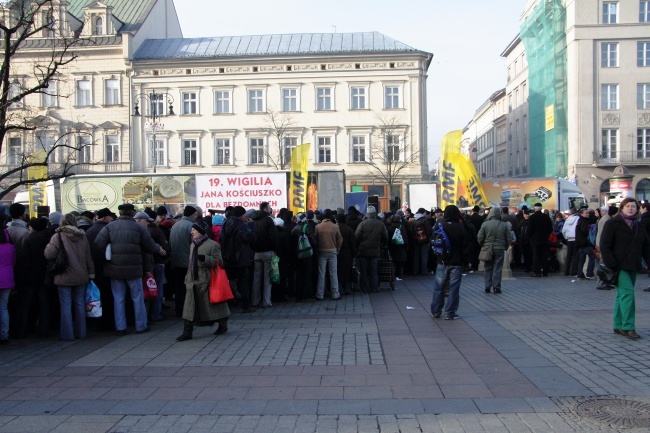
(389, 157)
(280, 127)
(32, 26)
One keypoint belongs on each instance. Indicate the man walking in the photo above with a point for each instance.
(369, 236)
(329, 240)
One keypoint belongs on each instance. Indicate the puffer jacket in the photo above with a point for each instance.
(495, 232)
(180, 240)
(328, 237)
(621, 247)
(369, 236)
(569, 229)
(80, 262)
(128, 241)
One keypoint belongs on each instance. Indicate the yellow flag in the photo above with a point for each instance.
(450, 165)
(469, 177)
(37, 195)
(299, 176)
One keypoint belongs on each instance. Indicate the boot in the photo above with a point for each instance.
(188, 327)
(223, 326)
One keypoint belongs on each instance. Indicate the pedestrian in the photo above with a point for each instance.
(345, 258)
(398, 245)
(107, 321)
(540, 228)
(569, 233)
(7, 283)
(608, 213)
(217, 225)
(180, 240)
(450, 266)
(204, 256)
(329, 240)
(304, 265)
(72, 282)
(623, 243)
(494, 234)
(585, 249)
(266, 244)
(370, 235)
(421, 230)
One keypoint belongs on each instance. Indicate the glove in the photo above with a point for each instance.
(201, 257)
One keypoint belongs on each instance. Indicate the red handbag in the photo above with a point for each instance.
(220, 290)
(149, 286)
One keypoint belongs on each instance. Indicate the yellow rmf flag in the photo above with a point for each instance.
(450, 165)
(299, 176)
(37, 195)
(469, 177)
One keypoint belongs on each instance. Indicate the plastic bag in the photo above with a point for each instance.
(149, 286)
(93, 300)
(219, 290)
(275, 269)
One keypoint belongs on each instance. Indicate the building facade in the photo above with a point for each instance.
(484, 137)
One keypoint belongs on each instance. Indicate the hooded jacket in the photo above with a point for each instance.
(494, 232)
(80, 262)
(569, 229)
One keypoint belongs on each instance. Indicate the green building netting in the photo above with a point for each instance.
(544, 38)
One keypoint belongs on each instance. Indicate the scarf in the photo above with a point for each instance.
(630, 221)
(194, 256)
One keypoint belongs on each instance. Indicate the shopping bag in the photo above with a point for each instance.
(93, 300)
(149, 287)
(219, 286)
(275, 269)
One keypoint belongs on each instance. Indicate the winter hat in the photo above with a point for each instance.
(55, 218)
(102, 213)
(161, 210)
(371, 210)
(381, 215)
(189, 211)
(301, 217)
(38, 224)
(217, 220)
(142, 216)
(310, 214)
(249, 213)
(167, 224)
(423, 211)
(238, 211)
(279, 222)
(200, 226)
(539, 205)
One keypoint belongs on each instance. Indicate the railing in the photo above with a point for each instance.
(111, 167)
(622, 157)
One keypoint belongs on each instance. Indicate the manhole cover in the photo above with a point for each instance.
(625, 413)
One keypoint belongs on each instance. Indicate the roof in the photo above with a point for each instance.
(270, 45)
(131, 12)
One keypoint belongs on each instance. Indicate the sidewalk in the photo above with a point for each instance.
(539, 357)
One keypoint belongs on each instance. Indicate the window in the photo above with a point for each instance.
(189, 102)
(392, 148)
(358, 148)
(222, 151)
(643, 96)
(84, 96)
(288, 144)
(49, 96)
(46, 142)
(517, 97)
(84, 147)
(644, 11)
(525, 123)
(391, 97)
(289, 99)
(358, 98)
(643, 53)
(190, 152)
(222, 102)
(610, 12)
(111, 92)
(609, 143)
(643, 143)
(324, 99)
(157, 101)
(324, 149)
(159, 152)
(609, 97)
(255, 101)
(609, 55)
(257, 150)
(14, 154)
(48, 21)
(98, 29)
(14, 91)
(112, 148)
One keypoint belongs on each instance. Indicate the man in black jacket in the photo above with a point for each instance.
(264, 246)
(540, 228)
(237, 236)
(449, 269)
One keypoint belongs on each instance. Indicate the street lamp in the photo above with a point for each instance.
(156, 103)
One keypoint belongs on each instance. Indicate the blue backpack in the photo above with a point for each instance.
(440, 242)
(593, 232)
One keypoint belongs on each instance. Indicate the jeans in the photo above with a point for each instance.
(368, 273)
(446, 273)
(624, 308)
(4, 314)
(420, 258)
(156, 304)
(584, 253)
(73, 297)
(327, 260)
(118, 287)
(261, 277)
(493, 270)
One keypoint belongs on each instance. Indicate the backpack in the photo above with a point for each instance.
(397, 238)
(440, 242)
(305, 250)
(593, 232)
(419, 234)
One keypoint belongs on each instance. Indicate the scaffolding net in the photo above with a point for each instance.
(544, 38)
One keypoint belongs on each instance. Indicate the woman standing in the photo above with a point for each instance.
(622, 245)
(204, 255)
(398, 249)
(7, 263)
(72, 282)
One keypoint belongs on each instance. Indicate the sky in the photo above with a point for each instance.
(466, 38)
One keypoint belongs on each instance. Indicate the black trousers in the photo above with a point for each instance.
(304, 286)
(241, 278)
(540, 259)
(571, 265)
(179, 289)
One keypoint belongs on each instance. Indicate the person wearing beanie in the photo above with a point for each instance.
(237, 238)
(205, 254)
(450, 266)
(180, 240)
(55, 219)
(217, 223)
(369, 236)
(161, 214)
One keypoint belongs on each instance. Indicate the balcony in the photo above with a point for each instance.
(109, 167)
(628, 157)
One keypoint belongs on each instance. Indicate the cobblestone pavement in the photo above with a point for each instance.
(533, 359)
